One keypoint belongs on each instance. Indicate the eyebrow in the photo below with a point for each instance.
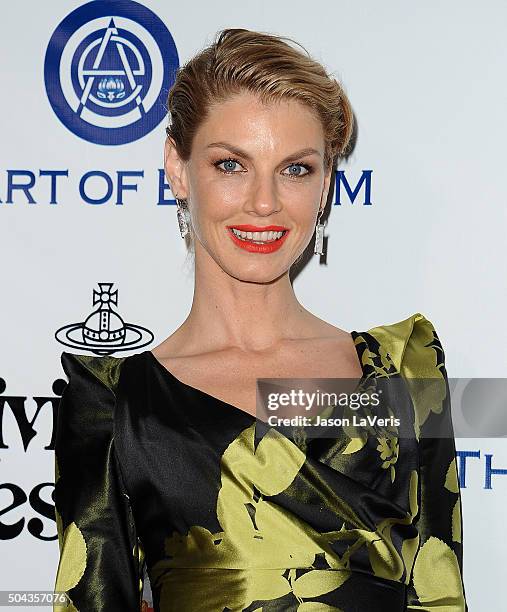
(240, 152)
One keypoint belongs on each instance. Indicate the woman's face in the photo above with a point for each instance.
(253, 165)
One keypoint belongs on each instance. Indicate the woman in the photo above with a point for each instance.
(160, 461)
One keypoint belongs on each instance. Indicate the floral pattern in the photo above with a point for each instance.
(232, 515)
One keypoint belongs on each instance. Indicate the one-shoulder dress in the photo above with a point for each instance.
(156, 478)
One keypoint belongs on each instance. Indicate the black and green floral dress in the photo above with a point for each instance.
(227, 515)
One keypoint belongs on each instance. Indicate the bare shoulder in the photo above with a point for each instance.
(332, 349)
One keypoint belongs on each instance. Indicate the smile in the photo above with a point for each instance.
(265, 241)
(259, 237)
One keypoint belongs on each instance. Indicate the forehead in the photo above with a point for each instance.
(243, 119)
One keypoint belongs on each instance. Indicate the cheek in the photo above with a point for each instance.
(215, 202)
(221, 199)
(301, 204)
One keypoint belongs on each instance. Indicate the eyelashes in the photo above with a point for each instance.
(306, 166)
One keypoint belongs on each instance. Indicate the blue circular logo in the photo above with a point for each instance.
(108, 69)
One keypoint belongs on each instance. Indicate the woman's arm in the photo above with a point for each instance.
(436, 583)
(101, 558)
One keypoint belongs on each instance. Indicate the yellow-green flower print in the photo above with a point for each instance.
(389, 451)
(437, 578)
(72, 564)
(256, 535)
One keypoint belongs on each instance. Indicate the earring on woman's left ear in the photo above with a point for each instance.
(319, 236)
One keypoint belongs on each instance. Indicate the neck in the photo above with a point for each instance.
(251, 316)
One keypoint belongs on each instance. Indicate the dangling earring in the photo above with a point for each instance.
(319, 236)
(183, 217)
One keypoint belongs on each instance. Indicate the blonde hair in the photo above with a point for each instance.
(264, 64)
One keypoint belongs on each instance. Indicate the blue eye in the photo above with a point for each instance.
(230, 165)
(298, 167)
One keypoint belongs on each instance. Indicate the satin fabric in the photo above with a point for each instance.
(227, 514)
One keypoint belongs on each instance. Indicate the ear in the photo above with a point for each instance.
(174, 168)
(325, 191)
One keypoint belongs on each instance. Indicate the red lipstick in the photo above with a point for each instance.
(252, 247)
(259, 228)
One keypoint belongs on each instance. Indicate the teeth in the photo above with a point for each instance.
(258, 236)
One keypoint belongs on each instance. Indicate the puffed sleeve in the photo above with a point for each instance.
(436, 583)
(101, 564)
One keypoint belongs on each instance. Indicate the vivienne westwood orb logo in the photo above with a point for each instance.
(108, 69)
(104, 331)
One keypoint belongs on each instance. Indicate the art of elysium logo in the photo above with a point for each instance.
(108, 69)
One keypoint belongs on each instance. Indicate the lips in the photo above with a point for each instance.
(255, 247)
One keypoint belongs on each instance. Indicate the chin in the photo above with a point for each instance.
(257, 272)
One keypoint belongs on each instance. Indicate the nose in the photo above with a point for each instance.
(264, 199)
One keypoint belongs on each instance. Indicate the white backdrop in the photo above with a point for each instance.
(427, 83)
